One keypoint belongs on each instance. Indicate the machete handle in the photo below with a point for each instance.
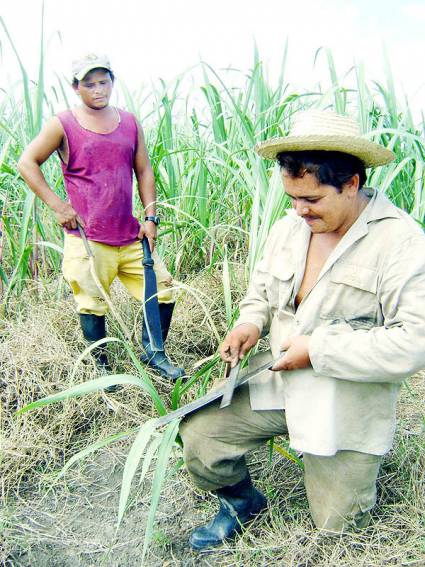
(147, 255)
(84, 239)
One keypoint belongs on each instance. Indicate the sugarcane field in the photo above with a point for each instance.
(212, 285)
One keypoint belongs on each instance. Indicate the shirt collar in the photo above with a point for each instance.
(379, 206)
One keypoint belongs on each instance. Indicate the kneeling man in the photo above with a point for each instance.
(341, 289)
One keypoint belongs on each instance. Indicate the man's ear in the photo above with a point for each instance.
(352, 185)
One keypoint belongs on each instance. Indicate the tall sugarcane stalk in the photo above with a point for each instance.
(1, 255)
(34, 254)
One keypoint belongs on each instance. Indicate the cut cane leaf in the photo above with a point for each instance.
(203, 361)
(84, 388)
(88, 350)
(147, 382)
(227, 289)
(150, 453)
(167, 443)
(133, 458)
(91, 449)
(51, 245)
(288, 454)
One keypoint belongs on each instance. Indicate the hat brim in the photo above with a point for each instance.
(80, 76)
(370, 153)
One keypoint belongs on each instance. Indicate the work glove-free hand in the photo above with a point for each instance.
(296, 355)
(148, 229)
(238, 343)
(67, 217)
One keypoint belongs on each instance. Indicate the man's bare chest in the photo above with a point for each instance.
(101, 123)
(319, 250)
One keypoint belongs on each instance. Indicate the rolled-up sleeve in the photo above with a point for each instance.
(393, 351)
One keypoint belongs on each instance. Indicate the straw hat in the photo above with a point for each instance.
(325, 130)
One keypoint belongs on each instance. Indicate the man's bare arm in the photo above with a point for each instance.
(37, 152)
(146, 186)
(144, 175)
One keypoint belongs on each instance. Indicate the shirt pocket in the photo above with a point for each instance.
(352, 296)
(279, 286)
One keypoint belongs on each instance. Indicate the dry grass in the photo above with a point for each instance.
(41, 341)
(72, 524)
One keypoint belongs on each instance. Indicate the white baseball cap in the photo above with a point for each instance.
(88, 62)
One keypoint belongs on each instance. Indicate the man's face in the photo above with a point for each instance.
(322, 207)
(95, 89)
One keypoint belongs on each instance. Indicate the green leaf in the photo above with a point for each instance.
(150, 453)
(164, 452)
(83, 389)
(91, 449)
(137, 449)
(227, 291)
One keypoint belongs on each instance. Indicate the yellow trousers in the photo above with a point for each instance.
(110, 262)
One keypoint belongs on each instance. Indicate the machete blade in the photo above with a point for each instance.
(214, 395)
(230, 386)
(151, 306)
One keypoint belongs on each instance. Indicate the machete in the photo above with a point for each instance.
(150, 306)
(226, 400)
(218, 393)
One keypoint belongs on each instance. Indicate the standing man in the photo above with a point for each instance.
(341, 289)
(100, 146)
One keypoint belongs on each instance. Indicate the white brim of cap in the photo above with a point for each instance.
(80, 76)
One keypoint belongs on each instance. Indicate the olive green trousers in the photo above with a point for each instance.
(341, 489)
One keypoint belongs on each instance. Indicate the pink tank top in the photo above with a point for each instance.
(99, 179)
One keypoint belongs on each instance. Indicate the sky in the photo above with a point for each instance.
(163, 38)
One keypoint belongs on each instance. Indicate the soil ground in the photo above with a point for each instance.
(74, 523)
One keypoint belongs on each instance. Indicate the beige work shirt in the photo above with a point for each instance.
(366, 319)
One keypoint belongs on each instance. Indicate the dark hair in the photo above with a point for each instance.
(75, 81)
(329, 168)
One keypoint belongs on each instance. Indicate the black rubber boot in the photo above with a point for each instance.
(165, 316)
(238, 506)
(94, 329)
(158, 360)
